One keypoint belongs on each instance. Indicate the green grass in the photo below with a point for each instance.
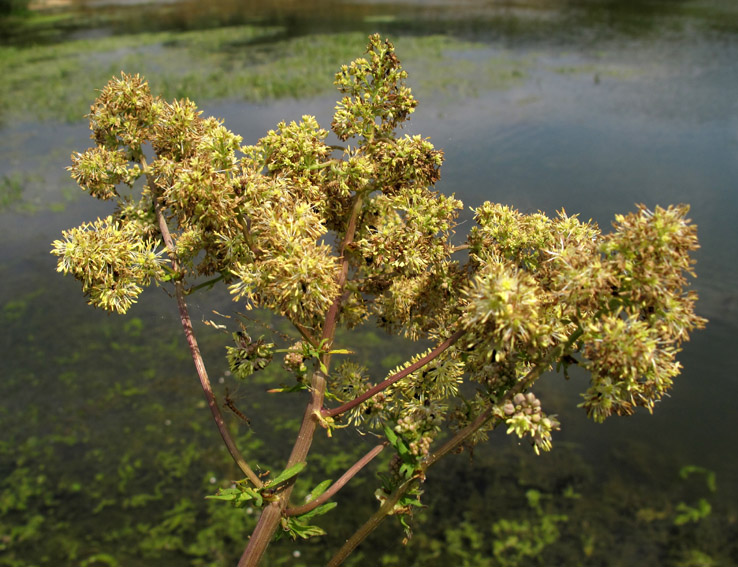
(60, 81)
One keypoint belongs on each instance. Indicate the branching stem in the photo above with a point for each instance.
(394, 378)
(208, 284)
(371, 524)
(338, 485)
(331, 319)
(271, 516)
(452, 444)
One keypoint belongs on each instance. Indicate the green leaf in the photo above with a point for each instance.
(390, 434)
(287, 474)
(407, 470)
(226, 494)
(320, 489)
(288, 389)
(402, 449)
(319, 511)
(341, 351)
(299, 529)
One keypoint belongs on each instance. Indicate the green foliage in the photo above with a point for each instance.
(299, 528)
(328, 237)
(710, 480)
(516, 541)
(687, 513)
(12, 6)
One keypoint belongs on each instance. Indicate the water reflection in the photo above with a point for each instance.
(602, 104)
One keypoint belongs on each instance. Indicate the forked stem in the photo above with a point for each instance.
(457, 440)
(395, 377)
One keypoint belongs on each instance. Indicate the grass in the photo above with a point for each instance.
(239, 63)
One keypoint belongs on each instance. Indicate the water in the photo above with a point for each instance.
(590, 106)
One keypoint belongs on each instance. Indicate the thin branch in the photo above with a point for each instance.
(371, 524)
(210, 283)
(231, 405)
(306, 334)
(338, 485)
(195, 350)
(272, 514)
(462, 435)
(395, 377)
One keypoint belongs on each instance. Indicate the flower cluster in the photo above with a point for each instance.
(376, 100)
(556, 291)
(294, 360)
(248, 356)
(523, 416)
(112, 261)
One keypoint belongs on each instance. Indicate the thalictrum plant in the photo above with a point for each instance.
(329, 236)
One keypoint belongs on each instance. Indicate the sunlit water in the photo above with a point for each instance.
(618, 104)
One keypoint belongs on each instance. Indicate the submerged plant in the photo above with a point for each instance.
(328, 237)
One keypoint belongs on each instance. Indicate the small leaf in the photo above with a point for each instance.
(390, 434)
(226, 494)
(286, 389)
(320, 489)
(287, 474)
(407, 470)
(320, 510)
(298, 528)
(402, 449)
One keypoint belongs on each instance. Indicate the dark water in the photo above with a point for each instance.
(618, 102)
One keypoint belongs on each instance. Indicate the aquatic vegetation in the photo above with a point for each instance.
(330, 237)
(56, 81)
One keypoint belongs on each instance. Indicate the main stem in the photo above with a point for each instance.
(271, 515)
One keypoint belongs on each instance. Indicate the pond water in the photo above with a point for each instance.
(589, 105)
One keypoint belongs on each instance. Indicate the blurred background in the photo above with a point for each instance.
(106, 446)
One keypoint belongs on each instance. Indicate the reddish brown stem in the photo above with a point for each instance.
(338, 485)
(329, 328)
(202, 374)
(305, 334)
(208, 391)
(270, 518)
(395, 377)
